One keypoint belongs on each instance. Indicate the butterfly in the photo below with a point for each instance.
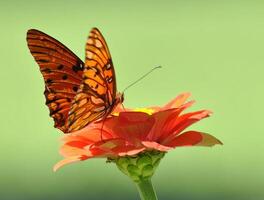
(76, 93)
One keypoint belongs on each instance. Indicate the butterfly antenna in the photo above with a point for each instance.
(123, 106)
(142, 77)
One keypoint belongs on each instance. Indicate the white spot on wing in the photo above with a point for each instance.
(98, 44)
(89, 55)
(90, 41)
(96, 100)
(108, 66)
(99, 109)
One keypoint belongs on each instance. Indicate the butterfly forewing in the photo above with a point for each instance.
(97, 93)
(99, 64)
(62, 71)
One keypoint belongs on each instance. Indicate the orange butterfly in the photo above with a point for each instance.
(76, 93)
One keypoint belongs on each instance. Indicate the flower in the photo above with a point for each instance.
(135, 132)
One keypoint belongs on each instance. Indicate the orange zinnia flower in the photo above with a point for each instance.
(132, 132)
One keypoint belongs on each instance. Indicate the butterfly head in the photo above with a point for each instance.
(119, 97)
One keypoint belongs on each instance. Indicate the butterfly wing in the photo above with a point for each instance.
(97, 93)
(62, 71)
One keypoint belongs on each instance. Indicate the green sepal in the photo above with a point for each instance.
(140, 167)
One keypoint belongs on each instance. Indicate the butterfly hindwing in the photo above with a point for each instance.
(97, 93)
(62, 71)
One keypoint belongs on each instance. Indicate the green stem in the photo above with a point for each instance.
(146, 190)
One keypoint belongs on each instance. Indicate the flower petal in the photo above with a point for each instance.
(156, 146)
(165, 119)
(188, 119)
(178, 101)
(116, 147)
(67, 150)
(87, 136)
(175, 103)
(130, 151)
(208, 140)
(133, 126)
(175, 127)
(193, 138)
(66, 161)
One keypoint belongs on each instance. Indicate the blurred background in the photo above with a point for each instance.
(213, 49)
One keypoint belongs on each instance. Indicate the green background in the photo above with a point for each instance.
(213, 49)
